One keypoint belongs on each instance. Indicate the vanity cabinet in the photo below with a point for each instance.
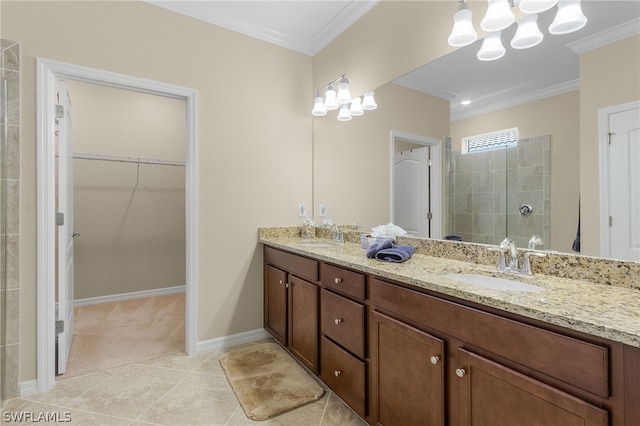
(343, 349)
(408, 374)
(291, 299)
(500, 371)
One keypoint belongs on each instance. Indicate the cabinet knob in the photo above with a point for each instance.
(460, 372)
(337, 373)
(337, 280)
(337, 321)
(281, 282)
(435, 359)
(286, 285)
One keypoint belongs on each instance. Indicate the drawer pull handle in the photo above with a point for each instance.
(460, 372)
(338, 321)
(435, 359)
(338, 280)
(337, 373)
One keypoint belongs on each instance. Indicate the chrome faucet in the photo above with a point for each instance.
(510, 259)
(337, 234)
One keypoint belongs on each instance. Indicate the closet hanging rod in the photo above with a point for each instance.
(123, 159)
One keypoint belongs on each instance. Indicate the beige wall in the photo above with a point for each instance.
(352, 159)
(609, 76)
(131, 216)
(253, 101)
(558, 116)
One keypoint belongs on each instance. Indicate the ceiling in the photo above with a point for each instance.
(307, 26)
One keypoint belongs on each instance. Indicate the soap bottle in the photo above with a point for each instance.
(308, 228)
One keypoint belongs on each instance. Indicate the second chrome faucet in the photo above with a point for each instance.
(510, 260)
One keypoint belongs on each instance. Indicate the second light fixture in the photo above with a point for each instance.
(341, 100)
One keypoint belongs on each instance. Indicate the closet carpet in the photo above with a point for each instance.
(113, 334)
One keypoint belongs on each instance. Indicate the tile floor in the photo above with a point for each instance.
(170, 390)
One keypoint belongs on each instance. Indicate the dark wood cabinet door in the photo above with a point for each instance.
(275, 303)
(303, 322)
(491, 394)
(408, 374)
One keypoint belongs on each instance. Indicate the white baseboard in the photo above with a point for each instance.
(129, 296)
(231, 340)
(28, 388)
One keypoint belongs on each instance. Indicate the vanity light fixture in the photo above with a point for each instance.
(569, 18)
(342, 100)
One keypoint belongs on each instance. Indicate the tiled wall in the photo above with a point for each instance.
(10, 238)
(486, 189)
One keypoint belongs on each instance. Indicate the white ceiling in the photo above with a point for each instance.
(307, 26)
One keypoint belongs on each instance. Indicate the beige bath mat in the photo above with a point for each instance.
(268, 381)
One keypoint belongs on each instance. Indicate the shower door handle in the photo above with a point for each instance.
(75, 234)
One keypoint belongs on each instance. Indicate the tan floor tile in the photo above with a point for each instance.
(307, 415)
(178, 361)
(129, 392)
(68, 389)
(37, 413)
(339, 414)
(200, 399)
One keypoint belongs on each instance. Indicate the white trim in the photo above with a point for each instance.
(224, 342)
(603, 131)
(28, 388)
(606, 37)
(436, 176)
(47, 72)
(121, 297)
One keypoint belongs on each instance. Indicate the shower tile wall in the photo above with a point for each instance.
(486, 189)
(10, 67)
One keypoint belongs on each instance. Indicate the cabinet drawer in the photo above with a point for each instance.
(344, 374)
(571, 361)
(342, 280)
(343, 321)
(297, 265)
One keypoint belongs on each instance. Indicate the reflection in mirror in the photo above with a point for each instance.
(500, 192)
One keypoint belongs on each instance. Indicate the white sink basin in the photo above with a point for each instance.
(493, 282)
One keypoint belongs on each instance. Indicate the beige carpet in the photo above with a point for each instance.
(268, 381)
(112, 334)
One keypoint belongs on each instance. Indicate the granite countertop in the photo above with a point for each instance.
(604, 311)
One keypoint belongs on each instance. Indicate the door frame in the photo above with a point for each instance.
(603, 130)
(47, 73)
(436, 176)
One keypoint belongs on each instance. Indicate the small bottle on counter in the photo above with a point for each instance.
(308, 228)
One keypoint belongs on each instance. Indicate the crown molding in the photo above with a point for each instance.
(558, 89)
(608, 36)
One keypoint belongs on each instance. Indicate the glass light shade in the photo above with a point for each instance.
(569, 18)
(492, 47)
(344, 114)
(330, 102)
(528, 34)
(369, 102)
(318, 106)
(463, 32)
(499, 16)
(536, 6)
(344, 97)
(356, 107)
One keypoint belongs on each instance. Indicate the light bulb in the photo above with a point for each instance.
(492, 47)
(330, 102)
(344, 97)
(569, 18)
(528, 34)
(356, 107)
(344, 114)
(463, 32)
(499, 16)
(318, 106)
(368, 102)
(536, 6)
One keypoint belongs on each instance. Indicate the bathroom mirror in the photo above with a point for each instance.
(351, 160)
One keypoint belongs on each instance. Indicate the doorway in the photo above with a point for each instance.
(47, 74)
(620, 181)
(416, 184)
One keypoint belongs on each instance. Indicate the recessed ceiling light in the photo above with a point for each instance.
(465, 102)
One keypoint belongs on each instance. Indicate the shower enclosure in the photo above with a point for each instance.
(9, 217)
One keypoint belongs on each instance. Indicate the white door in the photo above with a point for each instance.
(624, 184)
(64, 311)
(411, 191)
